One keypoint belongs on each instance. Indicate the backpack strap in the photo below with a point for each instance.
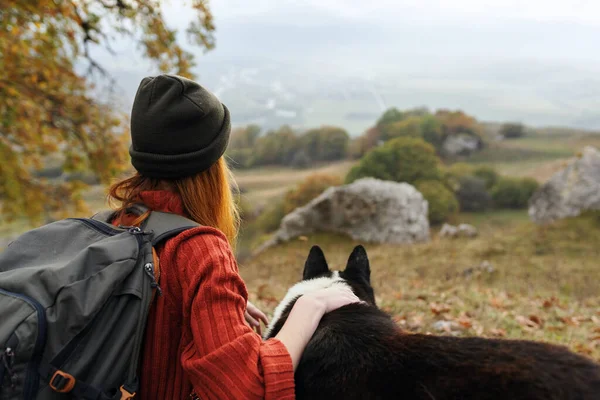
(164, 225)
(160, 224)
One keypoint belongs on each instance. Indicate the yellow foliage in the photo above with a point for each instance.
(46, 105)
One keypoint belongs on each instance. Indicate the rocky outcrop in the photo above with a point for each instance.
(462, 230)
(461, 145)
(570, 191)
(368, 210)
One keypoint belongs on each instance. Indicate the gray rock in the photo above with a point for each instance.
(570, 191)
(466, 230)
(368, 210)
(448, 231)
(463, 230)
(446, 326)
(456, 145)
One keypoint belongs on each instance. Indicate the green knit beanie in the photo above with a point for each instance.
(178, 128)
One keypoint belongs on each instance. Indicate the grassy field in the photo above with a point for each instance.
(543, 283)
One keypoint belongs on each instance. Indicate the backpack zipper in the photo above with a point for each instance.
(32, 376)
(7, 360)
(99, 226)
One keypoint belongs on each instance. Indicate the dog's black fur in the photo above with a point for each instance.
(358, 352)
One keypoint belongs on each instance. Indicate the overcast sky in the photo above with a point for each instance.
(580, 11)
(536, 53)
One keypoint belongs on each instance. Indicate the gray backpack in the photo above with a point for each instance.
(74, 299)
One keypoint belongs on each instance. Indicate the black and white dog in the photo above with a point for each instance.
(358, 352)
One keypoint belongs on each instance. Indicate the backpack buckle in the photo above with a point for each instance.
(125, 394)
(61, 382)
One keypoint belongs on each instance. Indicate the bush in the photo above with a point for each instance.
(455, 172)
(327, 143)
(488, 174)
(269, 220)
(431, 131)
(275, 148)
(390, 116)
(240, 158)
(361, 145)
(401, 160)
(308, 190)
(409, 127)
(442, 202)
(512, 131)
(472, 194)
(301, 160)
(513, 192)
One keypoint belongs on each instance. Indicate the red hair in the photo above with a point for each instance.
(207, 197)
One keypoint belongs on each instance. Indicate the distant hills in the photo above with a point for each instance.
(309, 70)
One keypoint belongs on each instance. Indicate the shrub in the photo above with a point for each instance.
(390, 116)
(401, 160)
(275, 148)
(488, 174)
(301, 160)
(308, 190)
(512, 131)
(472, 194)
(409, 127)
(431, 131)
(240, 158)
(361, 145)
(442, 202)
(513, 192)
(455, 172)
(327, 143)
(270, 219)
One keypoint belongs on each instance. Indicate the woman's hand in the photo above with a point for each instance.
(253, 316)
(306, 314)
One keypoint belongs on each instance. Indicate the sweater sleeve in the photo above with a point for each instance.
(222, 356)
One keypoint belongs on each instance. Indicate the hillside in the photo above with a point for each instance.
(535, 283)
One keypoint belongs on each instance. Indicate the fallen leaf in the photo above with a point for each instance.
(398, 295)
(526, 323)
(497, 303)
(498, 332)
(569, 321)
(438, 309)
(416, 322)
(465, 322)
(303, 238)
(536, 319)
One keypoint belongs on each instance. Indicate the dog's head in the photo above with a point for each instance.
(317, 275)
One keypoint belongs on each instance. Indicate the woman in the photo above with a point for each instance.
(197, 337)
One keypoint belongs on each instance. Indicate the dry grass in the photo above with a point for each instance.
(265, 184)
(544, 285)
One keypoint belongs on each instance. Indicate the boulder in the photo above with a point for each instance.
(570, 191)
(449, 231)
(461, 145)
(462, 230)
(466, 230)
(368, 210)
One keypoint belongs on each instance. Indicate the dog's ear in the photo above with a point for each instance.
(358, 265)
(316, 264)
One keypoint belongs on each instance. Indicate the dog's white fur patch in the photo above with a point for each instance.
(302, 288)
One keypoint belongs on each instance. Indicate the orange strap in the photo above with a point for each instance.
(125, 395)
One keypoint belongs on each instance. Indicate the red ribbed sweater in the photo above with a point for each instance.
(197, 338)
